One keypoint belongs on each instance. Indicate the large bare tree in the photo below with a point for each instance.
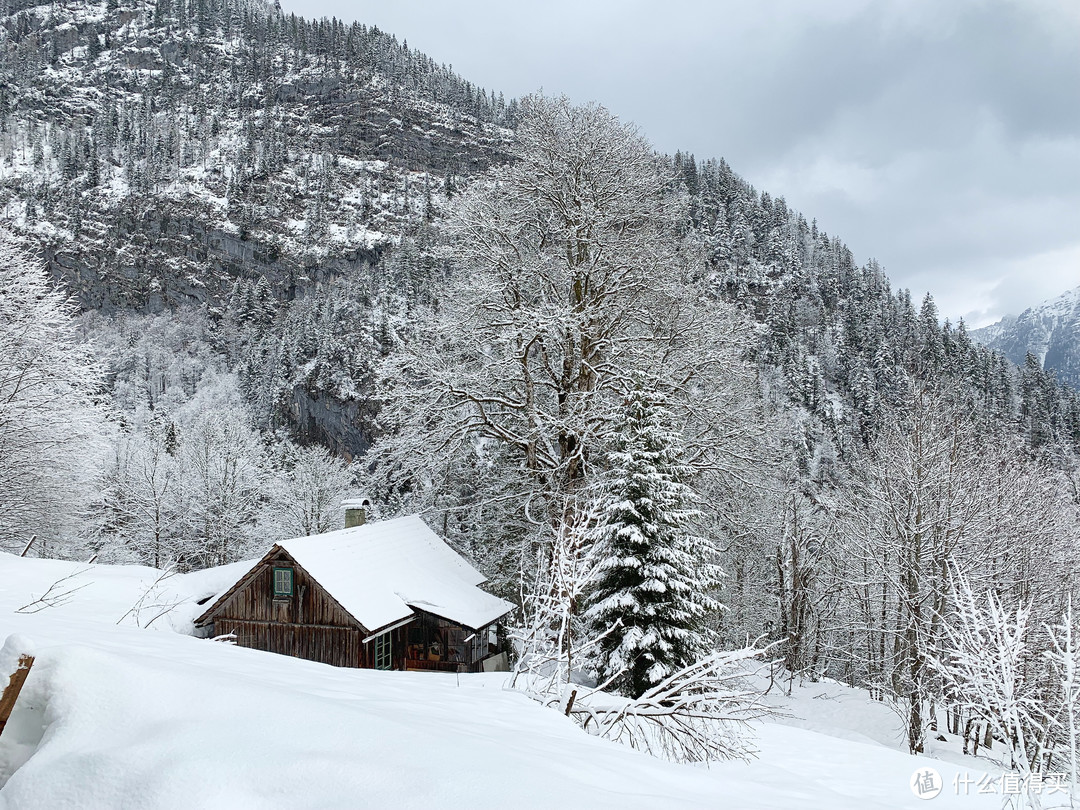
(572, 279)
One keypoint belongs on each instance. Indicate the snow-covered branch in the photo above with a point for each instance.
(701, 713)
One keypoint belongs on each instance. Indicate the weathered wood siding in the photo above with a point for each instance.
(397, 653)
(338, 646)
(309, 604)
(309, 624)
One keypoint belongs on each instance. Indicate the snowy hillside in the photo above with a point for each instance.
(221, 154)
(1050, 332)
(117, 716)
(154, 156)
(292, 177)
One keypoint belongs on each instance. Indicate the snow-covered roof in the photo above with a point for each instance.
(379, 571)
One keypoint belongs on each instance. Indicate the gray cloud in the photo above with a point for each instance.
(942, 139)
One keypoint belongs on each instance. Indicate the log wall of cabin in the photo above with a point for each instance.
(339, 646)
(309, 624)
(309, 604)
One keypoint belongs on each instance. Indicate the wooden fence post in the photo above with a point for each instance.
(570, 703)
(15, 685)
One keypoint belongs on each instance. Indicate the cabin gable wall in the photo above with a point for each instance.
(310, 604)
(308, 624)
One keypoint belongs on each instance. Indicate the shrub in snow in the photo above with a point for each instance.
(552, 641)
(987, 670)
(1064, 659)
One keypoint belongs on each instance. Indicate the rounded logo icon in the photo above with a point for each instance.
(925, 783)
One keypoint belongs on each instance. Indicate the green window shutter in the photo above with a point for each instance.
(283, 581)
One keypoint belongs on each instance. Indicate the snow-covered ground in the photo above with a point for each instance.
(115, 715)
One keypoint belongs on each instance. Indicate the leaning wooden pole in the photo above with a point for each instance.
(11, 691)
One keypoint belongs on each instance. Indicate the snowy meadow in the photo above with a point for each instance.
(118, 716)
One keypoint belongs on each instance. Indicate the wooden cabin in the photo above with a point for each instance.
(384, 595)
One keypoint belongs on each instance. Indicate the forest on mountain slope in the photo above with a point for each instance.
(285, 240)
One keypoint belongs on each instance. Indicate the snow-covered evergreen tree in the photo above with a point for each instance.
(656, 575)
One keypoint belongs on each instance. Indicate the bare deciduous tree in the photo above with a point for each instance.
(306, 493)
(49, 422)
(571, 277)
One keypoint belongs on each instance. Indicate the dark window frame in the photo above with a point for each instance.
(383, 651)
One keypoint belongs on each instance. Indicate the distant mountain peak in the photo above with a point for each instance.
(1050, 331)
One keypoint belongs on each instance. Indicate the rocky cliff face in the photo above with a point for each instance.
(1050, 332)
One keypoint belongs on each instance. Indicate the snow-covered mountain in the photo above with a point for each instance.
(1050, 332)
(289, 177)
(162, 154)
(156, 153)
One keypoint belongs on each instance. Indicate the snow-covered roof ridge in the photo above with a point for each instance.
(378, 571)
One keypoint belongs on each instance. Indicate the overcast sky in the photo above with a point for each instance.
(942, 138)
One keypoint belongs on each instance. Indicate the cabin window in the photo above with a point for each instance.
(283, 582)
(382, 651)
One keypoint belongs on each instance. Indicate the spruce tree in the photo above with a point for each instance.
(654, 581)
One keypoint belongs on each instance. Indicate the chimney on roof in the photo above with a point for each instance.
(356, 511)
